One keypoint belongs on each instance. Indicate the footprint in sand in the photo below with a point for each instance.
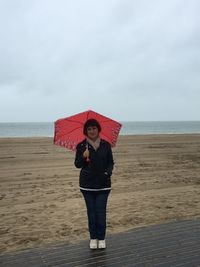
(23, 219)
(4, 231)
(2, 196)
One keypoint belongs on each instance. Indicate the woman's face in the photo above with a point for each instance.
(92, 132)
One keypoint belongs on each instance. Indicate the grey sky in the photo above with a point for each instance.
(130, 60)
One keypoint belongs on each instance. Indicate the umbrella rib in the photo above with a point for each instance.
(109, 121)
(63, 126)
(69, 132)
(87, 116)
(105, 136)
(74, 121)
(73, 130)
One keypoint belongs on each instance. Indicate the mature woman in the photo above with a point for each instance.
(94, 157)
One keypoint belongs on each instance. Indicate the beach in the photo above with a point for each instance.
(156, 179)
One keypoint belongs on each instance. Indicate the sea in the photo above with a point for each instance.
(36, 129)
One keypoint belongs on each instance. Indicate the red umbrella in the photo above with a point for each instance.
(69, 131)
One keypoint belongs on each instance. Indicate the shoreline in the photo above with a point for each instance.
(123, 135)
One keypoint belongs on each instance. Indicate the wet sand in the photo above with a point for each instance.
(156, 179)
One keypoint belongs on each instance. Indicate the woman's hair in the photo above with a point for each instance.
(89, 123)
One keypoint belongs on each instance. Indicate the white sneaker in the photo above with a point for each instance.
(102, 244)
(93, 243)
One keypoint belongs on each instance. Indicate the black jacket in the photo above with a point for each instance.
(97, 172)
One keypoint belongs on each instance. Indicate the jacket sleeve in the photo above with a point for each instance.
(79, 161)
(111, 163)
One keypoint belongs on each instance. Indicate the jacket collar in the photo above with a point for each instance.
(102, 141)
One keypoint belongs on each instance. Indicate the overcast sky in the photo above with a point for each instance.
(130, 60)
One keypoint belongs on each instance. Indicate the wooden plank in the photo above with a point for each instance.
(84, 258)
(125, 242)
(125, 245)
(169, 244)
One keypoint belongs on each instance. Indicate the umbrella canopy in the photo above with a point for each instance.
(68, 131)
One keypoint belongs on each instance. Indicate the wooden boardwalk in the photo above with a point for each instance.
(175, 244)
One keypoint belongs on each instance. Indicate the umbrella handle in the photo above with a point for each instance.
(87, 159)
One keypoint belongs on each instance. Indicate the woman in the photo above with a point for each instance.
(94, 157)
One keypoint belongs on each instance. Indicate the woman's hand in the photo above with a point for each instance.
(86, 153)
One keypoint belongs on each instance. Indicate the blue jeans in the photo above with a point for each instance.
(96, 202)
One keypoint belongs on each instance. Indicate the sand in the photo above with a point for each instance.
(156, 179)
